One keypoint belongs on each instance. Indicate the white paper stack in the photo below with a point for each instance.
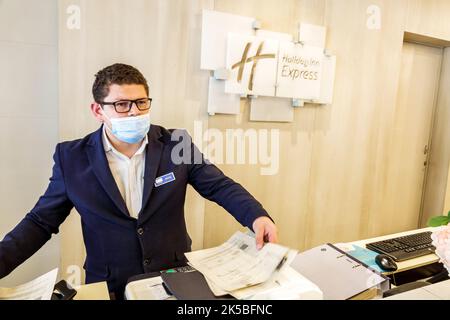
(37, 289)
(237, 268)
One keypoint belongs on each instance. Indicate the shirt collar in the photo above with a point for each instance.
(109, 147)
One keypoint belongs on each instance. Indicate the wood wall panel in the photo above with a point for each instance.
(350, 161)
(429, 17)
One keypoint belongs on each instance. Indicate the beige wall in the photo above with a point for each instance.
(333, 184)
(28, 119)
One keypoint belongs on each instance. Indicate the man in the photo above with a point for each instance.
(129, 187)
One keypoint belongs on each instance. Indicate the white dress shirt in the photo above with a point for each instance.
(128, 173)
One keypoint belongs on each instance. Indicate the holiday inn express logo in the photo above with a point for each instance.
(264, 66)
(245, 59)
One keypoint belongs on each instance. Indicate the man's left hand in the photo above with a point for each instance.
(264, 229)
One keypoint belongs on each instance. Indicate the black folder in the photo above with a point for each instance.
(190, 286)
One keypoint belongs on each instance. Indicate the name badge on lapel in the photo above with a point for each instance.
(164, 179)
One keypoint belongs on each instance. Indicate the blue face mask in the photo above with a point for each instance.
(130, 129)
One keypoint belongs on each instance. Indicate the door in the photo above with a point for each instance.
(413, 122)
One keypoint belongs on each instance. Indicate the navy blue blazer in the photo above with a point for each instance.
(117, 245)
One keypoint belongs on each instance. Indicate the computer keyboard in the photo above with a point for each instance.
(405, 247)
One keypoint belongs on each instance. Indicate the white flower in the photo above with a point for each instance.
(441, 240)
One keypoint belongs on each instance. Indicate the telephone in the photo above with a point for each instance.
(63, 291)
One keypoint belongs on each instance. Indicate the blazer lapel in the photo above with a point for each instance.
(152, 159)
(99, 163)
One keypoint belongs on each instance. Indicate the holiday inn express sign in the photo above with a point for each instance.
(255, 62)
(267, 67)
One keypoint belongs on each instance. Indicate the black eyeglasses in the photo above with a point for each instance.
(124, 106)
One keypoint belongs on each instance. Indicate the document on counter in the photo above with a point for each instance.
(38, 289)
(287, 284)
(238, 264)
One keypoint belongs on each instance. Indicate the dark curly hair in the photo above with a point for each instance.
(118, 73)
